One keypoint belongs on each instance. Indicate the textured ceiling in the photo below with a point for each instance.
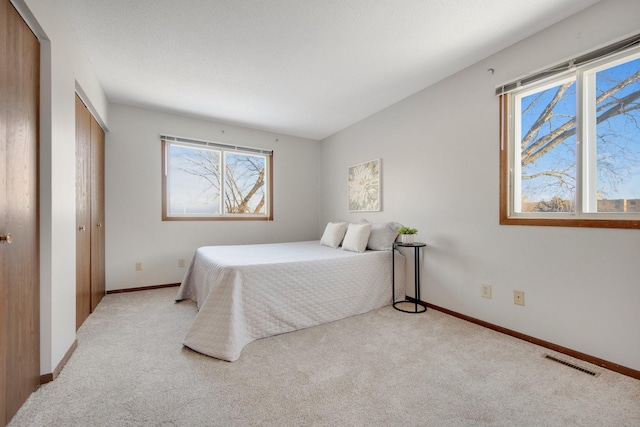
(300, 67)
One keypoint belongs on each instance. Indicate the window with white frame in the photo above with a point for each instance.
(210, 181)
(570, 145)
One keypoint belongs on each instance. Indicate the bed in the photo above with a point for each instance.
(248, 292)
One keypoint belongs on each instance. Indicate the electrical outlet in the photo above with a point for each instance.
(138, 266)
(181, 263)
(485, 291)
(518, 297)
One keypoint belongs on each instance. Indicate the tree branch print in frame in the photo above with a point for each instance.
(364, 187)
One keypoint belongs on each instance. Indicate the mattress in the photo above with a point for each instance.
(248, 292)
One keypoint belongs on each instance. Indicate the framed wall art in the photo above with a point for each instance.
(364, 186)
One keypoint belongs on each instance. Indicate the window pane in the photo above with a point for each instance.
(244, 190)
(193, 181)
(548, 151)
(618, 138)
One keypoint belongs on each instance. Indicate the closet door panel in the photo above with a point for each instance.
(97, 215)
(83, 213)
(4, 286)
(19, 90)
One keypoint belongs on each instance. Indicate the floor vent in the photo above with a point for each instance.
(571, 365)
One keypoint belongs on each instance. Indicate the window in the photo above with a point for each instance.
(212, 181)
(570, 146)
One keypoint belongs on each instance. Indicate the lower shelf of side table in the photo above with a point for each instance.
(416, 306)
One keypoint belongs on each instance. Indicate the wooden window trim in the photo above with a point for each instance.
(237, 217)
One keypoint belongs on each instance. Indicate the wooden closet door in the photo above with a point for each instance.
(4, 286)
(19, 279)
(83, 213)
(97, 215)
(90, 235)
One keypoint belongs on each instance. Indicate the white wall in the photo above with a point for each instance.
(440, 162)
(64, 69)
(134, 227)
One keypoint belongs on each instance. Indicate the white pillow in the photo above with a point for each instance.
(333, 234)
(383, 234)
(357, 237)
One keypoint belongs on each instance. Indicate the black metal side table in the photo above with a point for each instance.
(417, 303)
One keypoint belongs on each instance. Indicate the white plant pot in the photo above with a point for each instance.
(406, 239)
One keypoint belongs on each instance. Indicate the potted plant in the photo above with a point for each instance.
(407, 234)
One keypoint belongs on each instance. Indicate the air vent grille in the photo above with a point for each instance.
(571, 365)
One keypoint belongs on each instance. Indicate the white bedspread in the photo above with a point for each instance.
(249, 292)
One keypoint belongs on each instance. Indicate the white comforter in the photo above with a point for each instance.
(254, 291)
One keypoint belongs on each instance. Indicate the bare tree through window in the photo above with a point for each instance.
(208, 181)
(548, 140)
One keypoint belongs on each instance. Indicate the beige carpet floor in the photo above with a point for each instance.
(383, 368)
